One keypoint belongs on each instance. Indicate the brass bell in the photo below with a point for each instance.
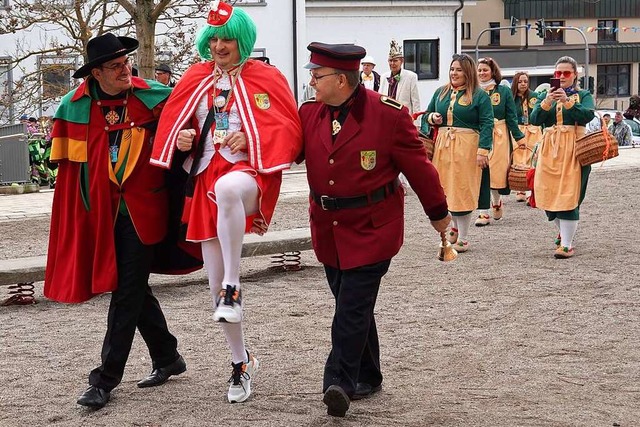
(446, 252)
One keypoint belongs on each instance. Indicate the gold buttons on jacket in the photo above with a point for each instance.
(331, 182)
(331, 161)
(335, 222)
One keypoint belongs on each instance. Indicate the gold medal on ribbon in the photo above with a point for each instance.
(335, 127)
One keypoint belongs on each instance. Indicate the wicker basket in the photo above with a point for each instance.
(428, 144)
(518, 177)
(596, 147)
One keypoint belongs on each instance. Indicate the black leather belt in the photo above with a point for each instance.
(335, 203)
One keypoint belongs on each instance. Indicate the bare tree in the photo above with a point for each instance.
(164, 27)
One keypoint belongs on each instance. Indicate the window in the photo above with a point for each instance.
(553, 35)
(609, 32)
(613, 80)
(465, 30)
(422, 57)
(494, 38)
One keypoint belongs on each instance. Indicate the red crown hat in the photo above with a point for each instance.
(220, 13)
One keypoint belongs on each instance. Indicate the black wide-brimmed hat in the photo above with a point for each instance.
(104, 48)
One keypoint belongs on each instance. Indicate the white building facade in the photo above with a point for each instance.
(426, 29)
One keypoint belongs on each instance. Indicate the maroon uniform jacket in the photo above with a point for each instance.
(377, 141)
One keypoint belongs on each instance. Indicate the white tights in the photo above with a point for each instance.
(568, 230)
(236, 195)
(462, 223)
(495, 198)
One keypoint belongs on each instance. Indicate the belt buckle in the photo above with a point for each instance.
(324, 199)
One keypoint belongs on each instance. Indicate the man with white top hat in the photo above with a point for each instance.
(369, 78)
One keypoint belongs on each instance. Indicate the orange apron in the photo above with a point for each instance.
(455, 157)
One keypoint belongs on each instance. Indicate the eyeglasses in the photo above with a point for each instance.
(565, 74)
(317, 78)
(486, 60)
(119, 67)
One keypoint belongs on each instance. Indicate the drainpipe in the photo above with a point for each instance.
(295, 49)
(455, 26)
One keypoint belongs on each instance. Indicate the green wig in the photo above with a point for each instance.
(239, 27)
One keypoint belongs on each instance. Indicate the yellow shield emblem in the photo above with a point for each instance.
(532, 102)
(463, 101)
(495, 99)
(262, 101)
(368, 159)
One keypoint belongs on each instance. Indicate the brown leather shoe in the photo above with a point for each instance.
(161, 375)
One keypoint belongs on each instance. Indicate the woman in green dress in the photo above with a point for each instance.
(462, 112)
(525, 100)
(494, 180)
(560, 182)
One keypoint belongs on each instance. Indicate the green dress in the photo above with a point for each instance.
(466, 131)
(506, 123)
(563, 126)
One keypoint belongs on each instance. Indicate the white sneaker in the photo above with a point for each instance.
(240, 381)
(229, 306)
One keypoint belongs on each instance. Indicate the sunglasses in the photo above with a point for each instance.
(565, 74)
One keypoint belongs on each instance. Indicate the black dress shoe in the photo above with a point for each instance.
(94, 397)
(161, 375)
(336, 400)
(364, 390)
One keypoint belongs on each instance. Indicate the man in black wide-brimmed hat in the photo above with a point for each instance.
(109, 208)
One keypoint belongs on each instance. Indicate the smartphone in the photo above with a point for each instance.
(555, 83)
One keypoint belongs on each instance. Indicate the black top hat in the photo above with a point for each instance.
(104, 48)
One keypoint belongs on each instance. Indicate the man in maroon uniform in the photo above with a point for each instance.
(357, 142)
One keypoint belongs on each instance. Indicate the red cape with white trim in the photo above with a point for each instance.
(268, 112)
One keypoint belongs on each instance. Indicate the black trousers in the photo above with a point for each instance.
(132, 306)
(355, 350)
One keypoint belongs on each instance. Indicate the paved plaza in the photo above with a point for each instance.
(505, 335)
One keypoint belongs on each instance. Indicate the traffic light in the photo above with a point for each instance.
(591, 85)
(540, 28)
(513, 24)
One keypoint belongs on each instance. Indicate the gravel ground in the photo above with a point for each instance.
(505, 335)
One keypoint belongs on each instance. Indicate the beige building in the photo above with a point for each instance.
(611, 29)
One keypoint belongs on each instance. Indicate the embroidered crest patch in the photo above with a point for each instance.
(532, 102)
(463, 101)
(495, 99)
(368, 159)
(262, 101)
